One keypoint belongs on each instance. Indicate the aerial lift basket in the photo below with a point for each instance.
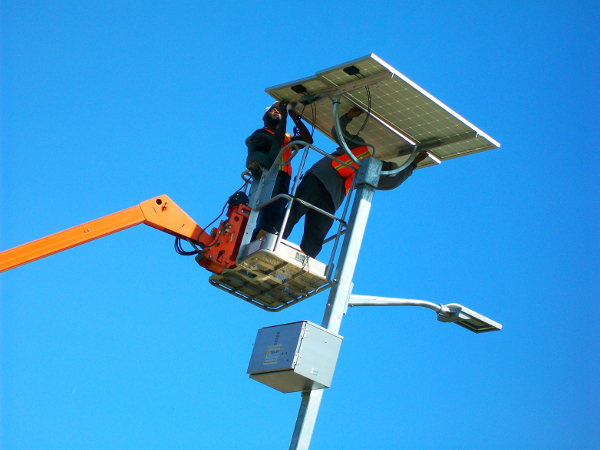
(273, 277)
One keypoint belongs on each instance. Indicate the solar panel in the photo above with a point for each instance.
(402, 113)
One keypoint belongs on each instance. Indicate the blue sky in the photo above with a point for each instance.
(122, 343)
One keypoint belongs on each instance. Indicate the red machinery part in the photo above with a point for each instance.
(223, 249)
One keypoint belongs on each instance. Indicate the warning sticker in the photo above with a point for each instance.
(272, 355)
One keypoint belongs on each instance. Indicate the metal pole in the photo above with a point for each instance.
(366, 183)
(307, 417)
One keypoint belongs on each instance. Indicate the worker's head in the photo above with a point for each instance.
(272, 114)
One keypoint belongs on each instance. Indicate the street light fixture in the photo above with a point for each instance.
(453, 312)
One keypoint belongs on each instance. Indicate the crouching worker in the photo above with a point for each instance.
(327, 182)
(263, 147)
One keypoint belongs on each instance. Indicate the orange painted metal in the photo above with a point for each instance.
(163, 214)
(220, 252)
(70, 238)
(159, 212)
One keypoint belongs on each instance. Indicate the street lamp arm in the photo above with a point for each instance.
(452, 312)
(370, 300)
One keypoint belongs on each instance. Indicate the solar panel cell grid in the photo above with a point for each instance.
(402, 107)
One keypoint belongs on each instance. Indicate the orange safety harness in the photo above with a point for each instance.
(287, 168)
(346, 172)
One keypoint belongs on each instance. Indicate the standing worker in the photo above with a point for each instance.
(327, 182)
(264, 145)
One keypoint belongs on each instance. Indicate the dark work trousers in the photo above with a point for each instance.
(316, 225)
(271, 216)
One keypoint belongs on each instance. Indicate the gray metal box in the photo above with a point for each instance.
(294, 357)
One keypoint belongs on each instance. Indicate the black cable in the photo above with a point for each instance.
(179, 249)
(313, 109)
(368, 106)
(368, 111)
(302, 112)
(296, 130)
(312, 133)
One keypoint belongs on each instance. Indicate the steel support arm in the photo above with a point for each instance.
(370, 300)
(452, 312)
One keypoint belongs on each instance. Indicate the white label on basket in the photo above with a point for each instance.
(299, 256)
(272, 355)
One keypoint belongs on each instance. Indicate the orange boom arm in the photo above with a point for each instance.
(159, 212)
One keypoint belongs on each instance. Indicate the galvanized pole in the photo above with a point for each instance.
(366, 183)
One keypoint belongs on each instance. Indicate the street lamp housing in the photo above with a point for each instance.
(467, 318)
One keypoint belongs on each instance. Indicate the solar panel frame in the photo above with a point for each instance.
(402, 112)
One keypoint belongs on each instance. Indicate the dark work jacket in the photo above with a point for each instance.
(262, 149)
(335, 183)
